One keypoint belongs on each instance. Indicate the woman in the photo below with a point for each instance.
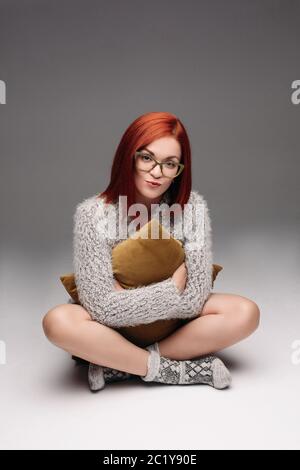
(154, 149)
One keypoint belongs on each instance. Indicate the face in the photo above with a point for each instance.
(163, 149)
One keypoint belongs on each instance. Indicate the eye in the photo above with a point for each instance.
(145, 156)
(171, 165)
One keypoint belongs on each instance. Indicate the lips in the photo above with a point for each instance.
(154, 183)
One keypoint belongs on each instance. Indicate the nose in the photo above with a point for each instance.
(156, 171)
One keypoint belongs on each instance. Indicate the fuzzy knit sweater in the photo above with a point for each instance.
(92, 262)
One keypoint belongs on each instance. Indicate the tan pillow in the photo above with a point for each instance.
(138, 262)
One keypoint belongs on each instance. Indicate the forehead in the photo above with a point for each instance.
(164, 151)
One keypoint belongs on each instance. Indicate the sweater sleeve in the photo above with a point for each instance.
(95, 281)
(198, 258)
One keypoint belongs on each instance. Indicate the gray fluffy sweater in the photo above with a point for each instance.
(92, 262)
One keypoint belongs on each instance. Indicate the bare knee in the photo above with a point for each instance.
(56, 323)
(249, 315)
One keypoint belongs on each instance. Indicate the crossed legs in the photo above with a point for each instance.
(224, 320)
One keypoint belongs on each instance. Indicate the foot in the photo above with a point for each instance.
(207, 369)
(203, 370)
(98, 376)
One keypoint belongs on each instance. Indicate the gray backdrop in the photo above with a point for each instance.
(77, 74)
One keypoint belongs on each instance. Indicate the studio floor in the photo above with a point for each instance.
(46, 402)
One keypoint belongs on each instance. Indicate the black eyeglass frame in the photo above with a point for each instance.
(144, 152)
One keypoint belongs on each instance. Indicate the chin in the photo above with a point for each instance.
(150, 194)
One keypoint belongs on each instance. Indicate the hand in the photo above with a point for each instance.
(118, 286)
(180, 277)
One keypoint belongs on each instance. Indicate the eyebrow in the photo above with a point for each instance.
(167, 158)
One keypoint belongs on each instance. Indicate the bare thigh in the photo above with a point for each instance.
(226, 303)
(63, 316)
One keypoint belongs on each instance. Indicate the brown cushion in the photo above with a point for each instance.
(161, 256)
(139, 261)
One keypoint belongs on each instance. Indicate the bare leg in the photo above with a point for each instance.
(225, 319)
(71, 328)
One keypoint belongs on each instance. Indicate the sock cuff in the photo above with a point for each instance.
(153, 362)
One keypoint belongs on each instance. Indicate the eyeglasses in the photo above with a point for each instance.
(146, 162)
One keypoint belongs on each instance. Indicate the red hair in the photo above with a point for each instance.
(140, 133)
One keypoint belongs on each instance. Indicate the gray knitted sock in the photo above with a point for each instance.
(98, 376)
(205, 370)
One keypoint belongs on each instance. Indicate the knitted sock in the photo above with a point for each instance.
(205, 370)
(98, 376)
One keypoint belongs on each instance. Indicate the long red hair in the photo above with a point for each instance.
(140, 133)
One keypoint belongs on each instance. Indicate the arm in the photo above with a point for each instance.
(95, 281)
(198, 258)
